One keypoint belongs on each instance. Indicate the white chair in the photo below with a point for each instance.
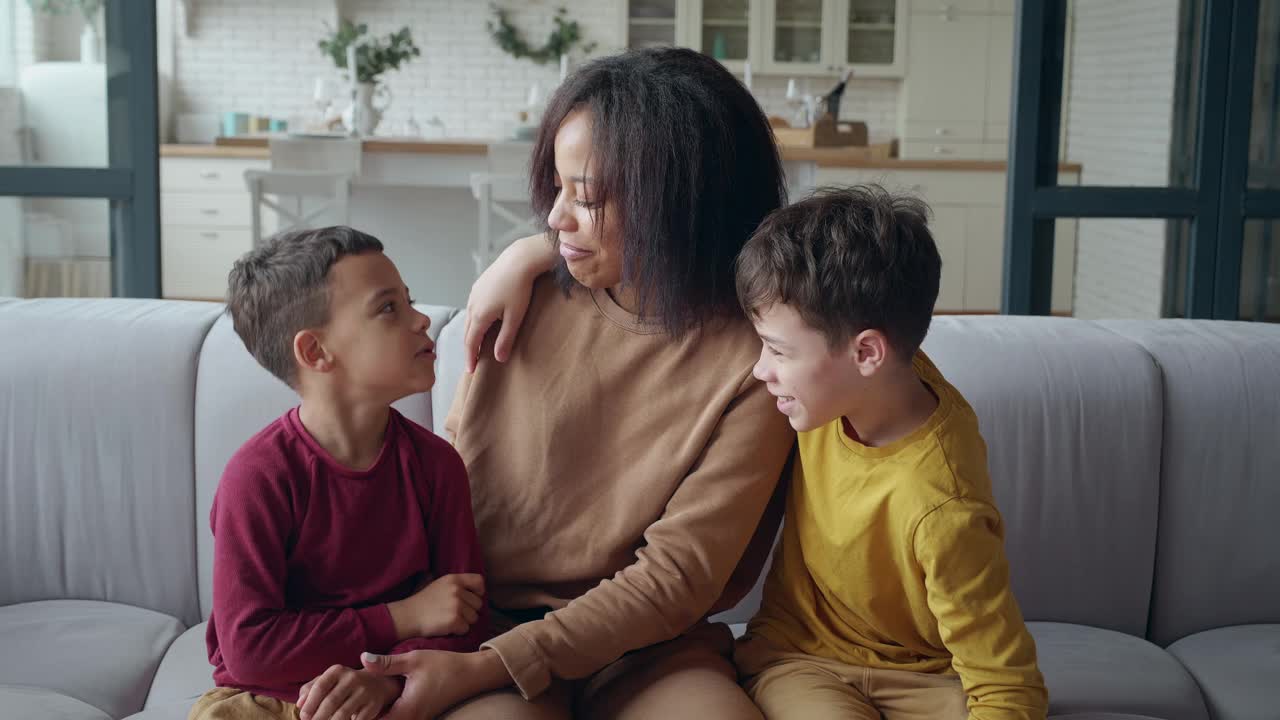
(502, 193)
(332, 189)
(315, 173)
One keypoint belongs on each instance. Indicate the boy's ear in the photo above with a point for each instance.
(870, 349)
(309, 352)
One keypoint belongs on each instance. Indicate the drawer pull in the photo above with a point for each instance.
(210, 175)
(209, 235)
(209, 211)
(939, 150)
(941, 131)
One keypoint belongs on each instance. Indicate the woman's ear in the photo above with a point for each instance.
(309, 352)
(870, 350)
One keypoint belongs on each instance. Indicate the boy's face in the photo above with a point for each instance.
(812, 381)
(376, 341)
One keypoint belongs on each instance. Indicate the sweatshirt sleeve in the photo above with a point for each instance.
(263, 643)
(684, 563)
(960, 548)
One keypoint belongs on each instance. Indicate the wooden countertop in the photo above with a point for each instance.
(256, 147)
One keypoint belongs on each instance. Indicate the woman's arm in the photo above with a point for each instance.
(501, 295)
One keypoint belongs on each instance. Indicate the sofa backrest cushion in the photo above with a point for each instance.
(1218, 556)
(96, 451)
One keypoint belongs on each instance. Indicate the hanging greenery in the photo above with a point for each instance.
(566, 34)
(374, 56)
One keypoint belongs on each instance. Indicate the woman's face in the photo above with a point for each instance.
(589, 240)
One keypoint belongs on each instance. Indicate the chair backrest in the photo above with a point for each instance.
(329, 154)
(332, 190)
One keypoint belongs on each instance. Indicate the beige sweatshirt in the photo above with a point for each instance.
(617, 476)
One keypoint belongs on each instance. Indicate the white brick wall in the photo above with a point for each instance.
(248, 56)
(1118, 116)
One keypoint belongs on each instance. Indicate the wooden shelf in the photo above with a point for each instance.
(799, 24)
(724, 22)
(652, 22)
(871, 26)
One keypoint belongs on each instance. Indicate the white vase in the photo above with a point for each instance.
(89, 44)
(368, 112)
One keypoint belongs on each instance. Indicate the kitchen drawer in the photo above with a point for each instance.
(943, 131)
(929, 150)
(950, 187)
(206, 174)
(942, 7)
(194, 261)
(996, 132)
(998, 151)
(206, 209)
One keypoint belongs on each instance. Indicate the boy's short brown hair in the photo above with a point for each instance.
(848, 260)
(281, 287)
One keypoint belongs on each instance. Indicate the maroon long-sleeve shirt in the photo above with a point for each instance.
(307, 553)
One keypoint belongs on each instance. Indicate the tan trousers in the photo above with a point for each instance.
(232, 704)
(689, 677)
(794, 686)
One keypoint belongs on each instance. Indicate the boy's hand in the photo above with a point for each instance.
(342, 693)
(448, 606)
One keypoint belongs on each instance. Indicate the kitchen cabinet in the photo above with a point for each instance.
(958, 85)
(779, 37)
(204, 223)
(968, 226)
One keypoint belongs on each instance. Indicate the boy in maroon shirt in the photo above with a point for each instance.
(341, 527)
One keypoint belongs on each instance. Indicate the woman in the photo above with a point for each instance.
(623, 457)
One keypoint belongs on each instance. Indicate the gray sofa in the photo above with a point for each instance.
(1137, 465)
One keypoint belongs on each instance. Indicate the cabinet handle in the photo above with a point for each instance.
(939, 150)
(940, 131)
(209, 211)
(210, 175)
(209, 235)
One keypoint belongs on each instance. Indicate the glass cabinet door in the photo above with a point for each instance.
(797, 32)
(871, 33)
(724, 30)
(651, 23)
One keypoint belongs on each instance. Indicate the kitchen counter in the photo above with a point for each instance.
(256, 147)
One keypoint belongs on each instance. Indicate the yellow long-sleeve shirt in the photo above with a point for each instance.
(893, 557)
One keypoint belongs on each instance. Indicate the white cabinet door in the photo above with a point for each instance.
(983, 258)
(948, 228)
(944, 69)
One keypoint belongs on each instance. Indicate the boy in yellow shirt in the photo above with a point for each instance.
(889, 595)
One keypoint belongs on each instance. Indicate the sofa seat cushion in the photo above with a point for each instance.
(185, 673)
(20, 701)
(1090, 670)
(101, 654)
(1237, 668)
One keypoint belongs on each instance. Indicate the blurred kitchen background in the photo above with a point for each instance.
(246, 93)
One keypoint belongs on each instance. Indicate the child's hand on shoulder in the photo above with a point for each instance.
(449, 605)
(342, 693)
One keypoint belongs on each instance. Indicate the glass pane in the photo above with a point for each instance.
(1125, 268)
(1260, 271)
(1264, 135)
(53, 108)
(55, 247)
(871, 32)
(725, 33)
(1131, 90)
(798, 31)
(652, 23)
(653, 9)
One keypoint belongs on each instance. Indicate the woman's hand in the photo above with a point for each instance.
(435, 680)
(341, 693)
(501, 294)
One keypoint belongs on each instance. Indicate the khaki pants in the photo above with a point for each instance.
(231, 704)
(689, 677)
(794, 686)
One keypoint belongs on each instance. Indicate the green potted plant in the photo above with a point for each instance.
(346, 45)
(89, 10)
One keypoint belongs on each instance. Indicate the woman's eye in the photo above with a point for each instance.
(389, 307)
